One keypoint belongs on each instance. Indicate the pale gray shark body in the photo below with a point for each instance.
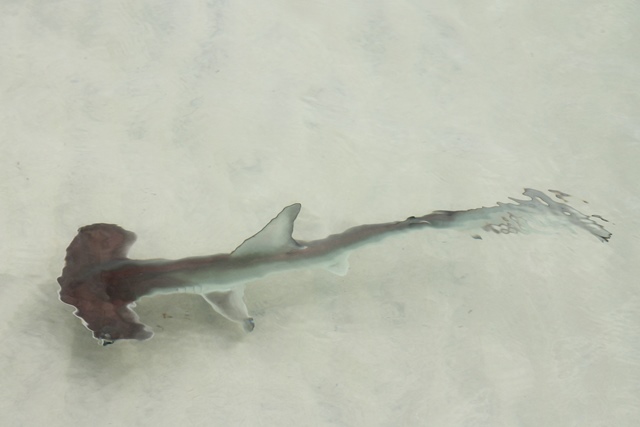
(102, 283)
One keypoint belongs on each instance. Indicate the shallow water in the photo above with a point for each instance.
(193, 125)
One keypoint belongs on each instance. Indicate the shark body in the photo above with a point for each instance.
(103, 284)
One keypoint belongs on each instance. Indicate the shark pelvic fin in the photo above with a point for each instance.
(275, 237)
(340, 267)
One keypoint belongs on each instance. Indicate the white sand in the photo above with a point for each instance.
(192, 123)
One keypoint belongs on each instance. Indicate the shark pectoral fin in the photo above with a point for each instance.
(231, 305)
(340, 266)
(275, 237)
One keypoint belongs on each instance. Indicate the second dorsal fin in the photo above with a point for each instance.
(275, 237)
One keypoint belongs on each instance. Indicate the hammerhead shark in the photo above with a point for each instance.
(103, 284)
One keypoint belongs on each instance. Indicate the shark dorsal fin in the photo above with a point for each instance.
(275, 237)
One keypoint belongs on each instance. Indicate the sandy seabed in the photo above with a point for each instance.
(193, 123)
